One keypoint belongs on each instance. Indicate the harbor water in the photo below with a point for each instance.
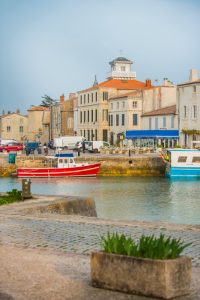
(126, 198)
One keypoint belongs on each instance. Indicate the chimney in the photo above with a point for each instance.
(166, 82)
(62, 98)
(148, 83)
(193, 75)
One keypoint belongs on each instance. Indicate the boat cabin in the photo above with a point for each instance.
(64, 160)
(184, 157)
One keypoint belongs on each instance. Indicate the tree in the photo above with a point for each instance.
(48, 101)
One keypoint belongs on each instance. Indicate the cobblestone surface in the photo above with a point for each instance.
(80, 234)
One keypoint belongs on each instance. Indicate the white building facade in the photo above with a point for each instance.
(188, 96)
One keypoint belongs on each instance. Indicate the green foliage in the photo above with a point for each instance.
(191, 131)
(147, 247)
(12, 196)
(48, 101)
(15, 194)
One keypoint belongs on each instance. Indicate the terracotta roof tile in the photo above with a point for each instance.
(170, 110)
(117, 84)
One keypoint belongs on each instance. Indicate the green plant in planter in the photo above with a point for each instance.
(147, 247)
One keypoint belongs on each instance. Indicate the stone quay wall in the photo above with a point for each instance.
(149, 165)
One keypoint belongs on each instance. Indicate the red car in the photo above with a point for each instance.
(11, 147)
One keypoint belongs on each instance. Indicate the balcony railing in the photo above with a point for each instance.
(122, 74)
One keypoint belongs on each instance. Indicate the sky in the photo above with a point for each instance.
(54, 47)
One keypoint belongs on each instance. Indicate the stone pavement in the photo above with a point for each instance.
(46, 256)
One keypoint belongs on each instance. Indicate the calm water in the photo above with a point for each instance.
(126, 198)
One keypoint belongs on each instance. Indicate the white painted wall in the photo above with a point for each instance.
(188, 96)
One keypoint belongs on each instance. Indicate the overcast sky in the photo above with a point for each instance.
(57, 46)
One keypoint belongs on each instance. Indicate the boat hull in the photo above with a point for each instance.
(78, 171)
(183, 172)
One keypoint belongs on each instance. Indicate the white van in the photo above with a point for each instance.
(5, 142)
(95, 146)
(67, 142)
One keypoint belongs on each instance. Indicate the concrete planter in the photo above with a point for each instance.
(156, 278)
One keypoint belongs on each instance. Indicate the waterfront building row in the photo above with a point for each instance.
(106, 110)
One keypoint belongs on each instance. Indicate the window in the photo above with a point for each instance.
(156, 123)
(88, 115)
(194, 111)
(150, 123)
(92, 135)
(105, 114)
(96, 117)
(117, 104)
(117, 120)
(84, 99)
(84, 133)
(81, 117)
(84, 118)
(105, 95)
(111, 120)
(88, 98)
(88, 135)
(96, 96)
(111, 105)
(135, 104)
(123, 104)
(164, 121)
(194, 88)
(196, 159)
(123, 119)
(92, 97)
(92, 115)
(172, 121)
(96, 134)
(21, 129)
(135, 119)
(185, 111)
(8, 129)
(182, 159)
(81, 99)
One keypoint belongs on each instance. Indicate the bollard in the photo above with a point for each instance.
(26, 189)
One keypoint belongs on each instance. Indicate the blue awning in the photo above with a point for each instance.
(152, 134)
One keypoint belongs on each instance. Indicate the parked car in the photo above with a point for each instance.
(11, 147)
(95, 146)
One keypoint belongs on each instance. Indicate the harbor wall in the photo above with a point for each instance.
(150, 165)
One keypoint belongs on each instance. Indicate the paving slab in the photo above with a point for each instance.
(46, 256)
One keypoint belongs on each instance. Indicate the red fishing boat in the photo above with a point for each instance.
(63, 165)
